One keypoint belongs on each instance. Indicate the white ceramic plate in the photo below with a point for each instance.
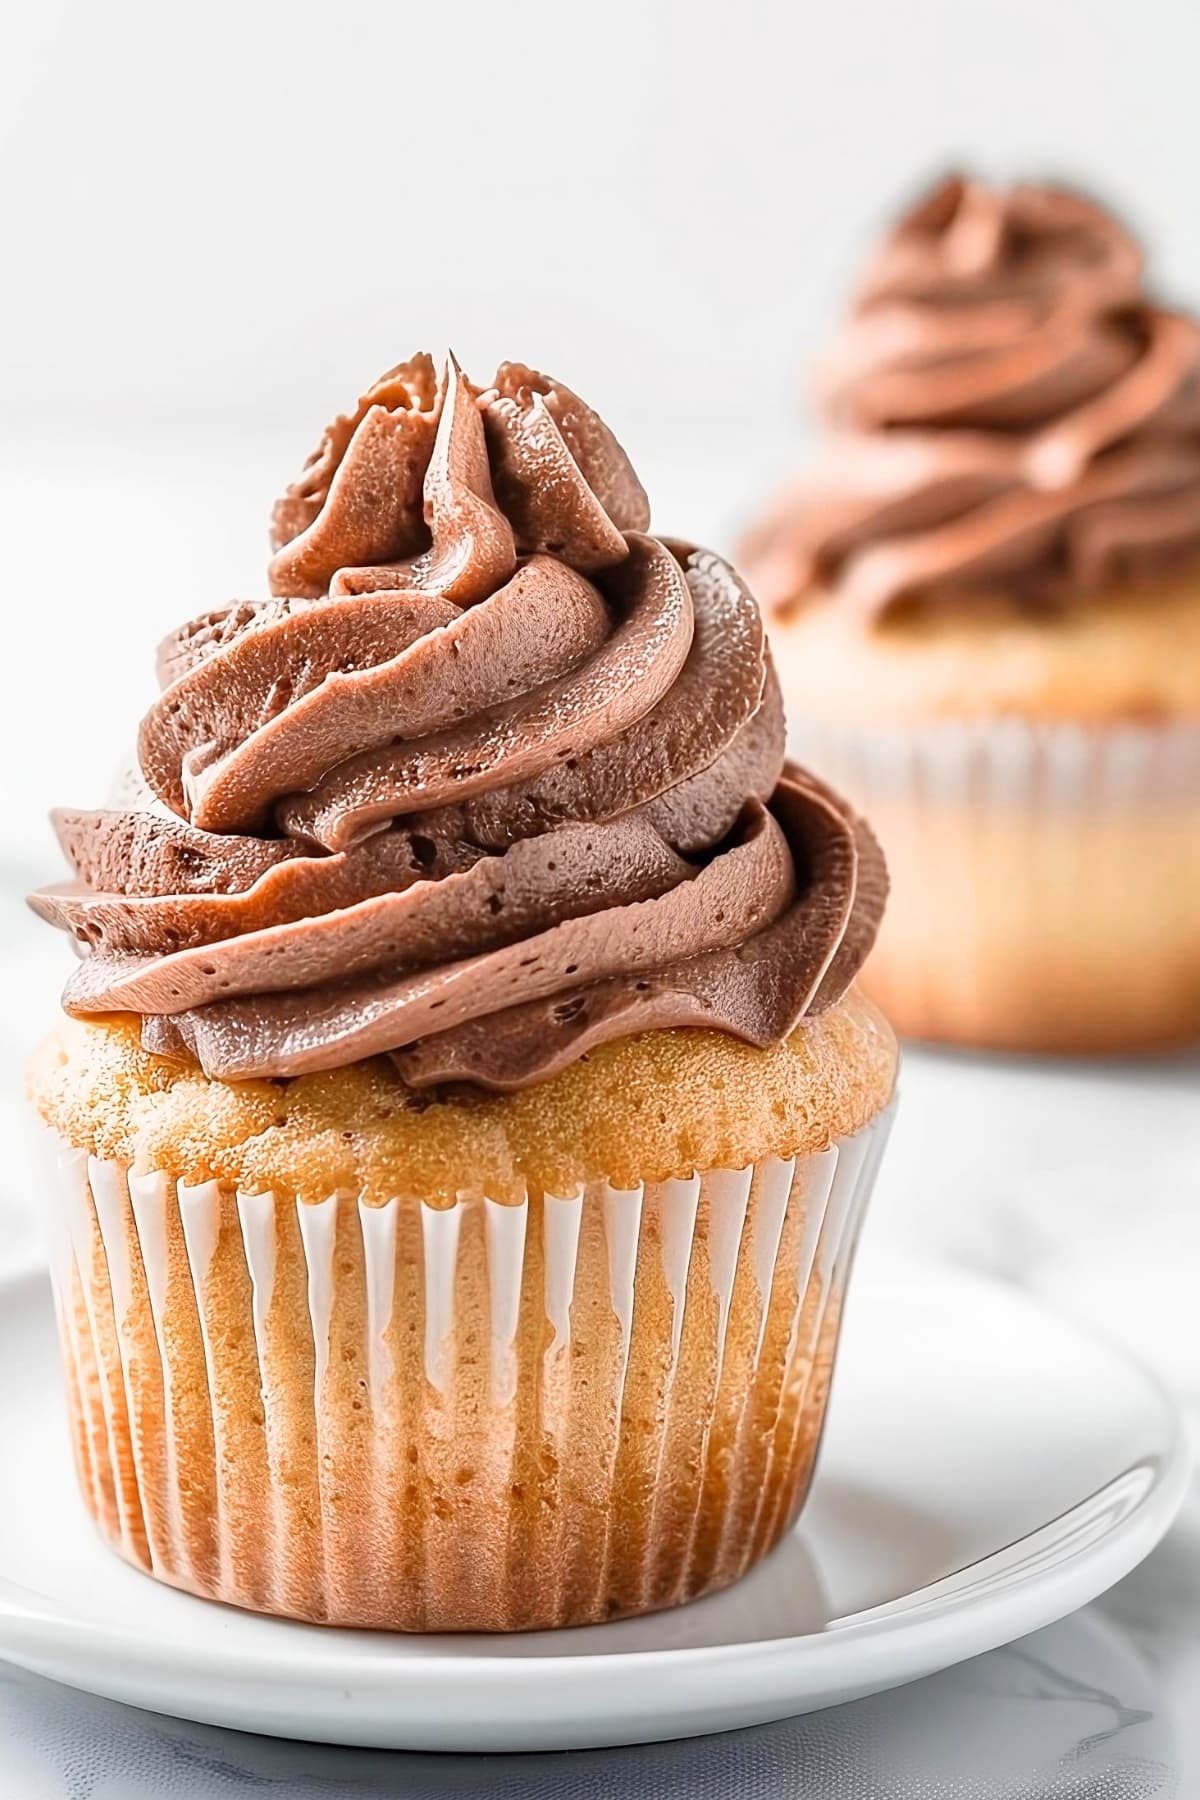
(986, 1469)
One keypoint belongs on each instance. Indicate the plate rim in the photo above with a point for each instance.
(34, 1630)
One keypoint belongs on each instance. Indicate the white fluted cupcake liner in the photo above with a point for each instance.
(1011, 760)
(478, 1417)
(1044, 877)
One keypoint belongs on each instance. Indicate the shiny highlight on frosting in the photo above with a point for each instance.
(493, 777)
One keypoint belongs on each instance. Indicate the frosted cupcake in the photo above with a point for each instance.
(463, 1121)
(984, 604)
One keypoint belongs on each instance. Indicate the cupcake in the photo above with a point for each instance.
(463, 1118)
(984, 604)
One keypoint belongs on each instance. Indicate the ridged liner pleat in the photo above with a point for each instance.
(475, 1417)
(1043, 875)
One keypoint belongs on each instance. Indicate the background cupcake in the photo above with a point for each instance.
(463, 1124)
(985, 609)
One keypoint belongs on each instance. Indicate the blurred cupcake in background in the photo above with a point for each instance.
(984, 604)
(463, 1124)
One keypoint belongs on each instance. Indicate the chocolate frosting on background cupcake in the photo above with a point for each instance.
(1009, 412)
(494, 777)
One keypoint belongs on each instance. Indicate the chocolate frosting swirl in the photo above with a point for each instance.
(493, 777)
(1009, 413)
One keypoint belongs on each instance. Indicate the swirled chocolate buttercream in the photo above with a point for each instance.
(494, 776)
(1008, 413)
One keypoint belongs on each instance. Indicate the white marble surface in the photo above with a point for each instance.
(1075, 1712)
(1080, 1181)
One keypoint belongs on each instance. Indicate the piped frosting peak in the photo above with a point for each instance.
(493, 776)
(1008, 412)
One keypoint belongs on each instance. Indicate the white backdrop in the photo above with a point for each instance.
(233, 214)
(219, 221)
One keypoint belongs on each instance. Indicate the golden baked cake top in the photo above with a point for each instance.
(646, 1108)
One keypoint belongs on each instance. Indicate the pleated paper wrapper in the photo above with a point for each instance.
(1044, 877)
(474, 1417)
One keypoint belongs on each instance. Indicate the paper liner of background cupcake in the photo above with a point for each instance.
(465, 1118)
(985, 607)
